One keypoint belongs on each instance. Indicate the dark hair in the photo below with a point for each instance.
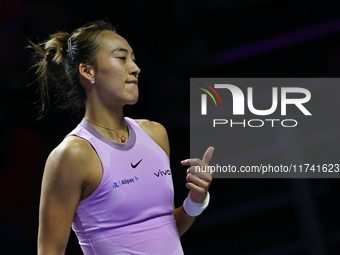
(58, 60)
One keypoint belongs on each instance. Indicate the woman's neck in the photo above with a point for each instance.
(111, 124)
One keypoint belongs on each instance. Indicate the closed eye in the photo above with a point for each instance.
(124, 58)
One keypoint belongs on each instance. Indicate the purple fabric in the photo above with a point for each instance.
(131, 210)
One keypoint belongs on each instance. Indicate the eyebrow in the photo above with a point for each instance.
(124, 50)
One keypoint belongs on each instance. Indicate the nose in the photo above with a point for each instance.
(134, 69)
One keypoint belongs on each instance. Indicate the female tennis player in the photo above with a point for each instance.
(110, 178)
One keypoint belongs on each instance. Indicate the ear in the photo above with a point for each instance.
(86, 72)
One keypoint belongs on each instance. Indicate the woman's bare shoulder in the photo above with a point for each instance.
(72, 148)
(157, 132)
(70, 159)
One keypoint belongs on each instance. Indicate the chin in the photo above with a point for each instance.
(132, 102)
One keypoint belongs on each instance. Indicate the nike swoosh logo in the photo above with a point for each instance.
(134, 166)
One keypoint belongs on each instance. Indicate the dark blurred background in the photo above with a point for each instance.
(173, 41)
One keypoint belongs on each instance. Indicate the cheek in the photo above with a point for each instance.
(122, 73)
(105, 71)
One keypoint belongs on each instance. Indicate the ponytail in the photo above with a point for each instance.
(50, 57)
(57, 63)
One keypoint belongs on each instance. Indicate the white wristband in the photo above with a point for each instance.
(194, 209)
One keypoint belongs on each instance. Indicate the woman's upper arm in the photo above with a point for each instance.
(63, 181)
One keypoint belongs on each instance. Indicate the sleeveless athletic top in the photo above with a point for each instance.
(130, 212)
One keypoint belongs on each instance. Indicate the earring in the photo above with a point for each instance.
(92, 81)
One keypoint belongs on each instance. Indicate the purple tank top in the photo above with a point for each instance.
(131, 210)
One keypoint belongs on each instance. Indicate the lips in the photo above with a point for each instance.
(133, 82)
